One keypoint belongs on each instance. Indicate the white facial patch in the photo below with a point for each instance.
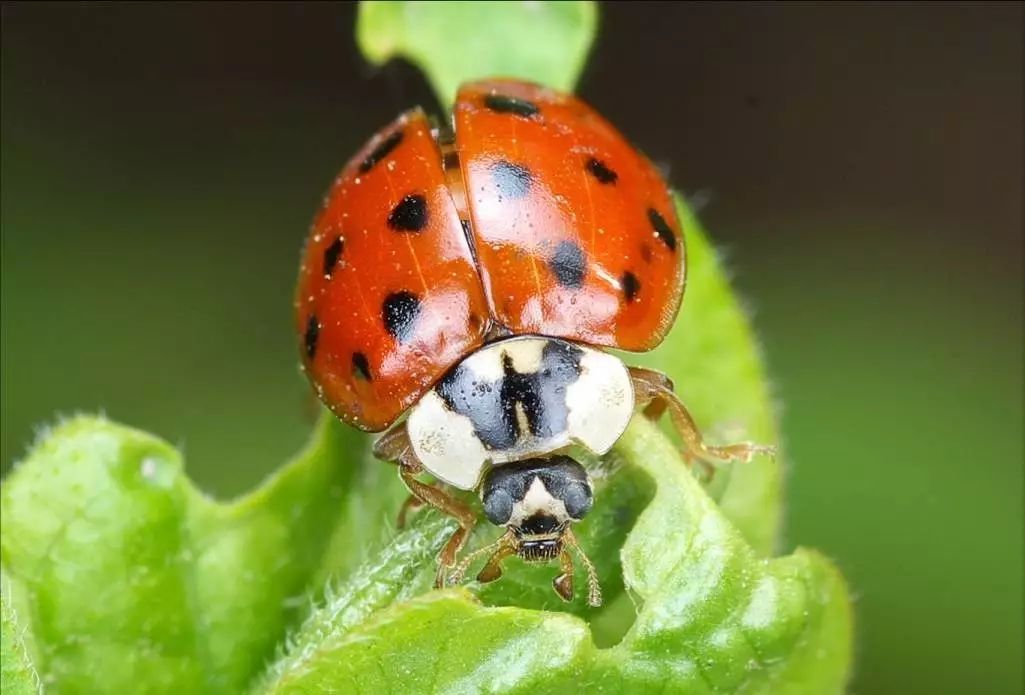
(445, 443)
(600, 402)
(538, 501)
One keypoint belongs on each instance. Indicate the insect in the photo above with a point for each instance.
(471, 275)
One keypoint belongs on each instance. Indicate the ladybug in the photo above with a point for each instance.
(470, 275)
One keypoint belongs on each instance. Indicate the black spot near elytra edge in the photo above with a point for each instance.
(568, 264)
(630, 285)
(383, 149)
(410, 215)
(499, 103)
(360, 366)
(662, 229)
(311, 335)
(511, 179)
(600, 171)
(399, 312)
(332, 253)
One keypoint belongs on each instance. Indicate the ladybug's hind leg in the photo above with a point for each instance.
(395, 446)
(654, 393)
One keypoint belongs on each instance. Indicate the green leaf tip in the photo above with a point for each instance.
(453, 42)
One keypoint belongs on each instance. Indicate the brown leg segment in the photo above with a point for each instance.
(394, 446)
(563, 584)
(654, 392)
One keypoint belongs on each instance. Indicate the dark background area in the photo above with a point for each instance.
(862, 167)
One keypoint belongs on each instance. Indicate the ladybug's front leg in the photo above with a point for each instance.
(654, 393)
(395, 446)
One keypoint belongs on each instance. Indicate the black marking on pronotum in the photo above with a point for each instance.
(383, 149)
(399, 313)
(410, 215)
(311, 335)
(451, 160)
(598, 169)
(491, 406)
(662, 229)
(332, 253)
(360, 367)
(564, 478)
(568, 264)
(630, 286)
(511, 179)
(499, 103)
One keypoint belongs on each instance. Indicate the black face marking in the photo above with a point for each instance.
(511, 179)
(311, 335)
(491, 406)
(538, 525)
(399, 312)
(383, 149)
(331, 255)
(568, 264)
(564, 478)
(500, 103)
(597, 169)
(630, 285)
(410, 215)
(662, 229)
(360, 366)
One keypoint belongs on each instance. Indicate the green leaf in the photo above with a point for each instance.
(17, 674)
(132, 581)
(715, 362)
(456, 41)
(712, 616)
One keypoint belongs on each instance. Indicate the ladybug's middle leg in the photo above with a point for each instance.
(654, 392)
(395, 446)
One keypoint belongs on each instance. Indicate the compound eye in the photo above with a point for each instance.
(578, 498)
(498, 506)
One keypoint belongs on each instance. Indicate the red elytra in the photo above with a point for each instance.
(539, 218)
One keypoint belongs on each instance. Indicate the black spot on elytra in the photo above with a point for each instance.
(383, 149)
(360, 366)
(410, 215)
(332, 253)
(630, 285)
(511, 179)
(568, 264)
(311, 335)
(399, 312)
(491, 405)
(598, 169)
(499, 103)
(662, 229)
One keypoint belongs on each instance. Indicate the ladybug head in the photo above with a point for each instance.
(537, 500)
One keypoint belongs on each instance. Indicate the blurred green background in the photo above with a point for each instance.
(859, 166)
